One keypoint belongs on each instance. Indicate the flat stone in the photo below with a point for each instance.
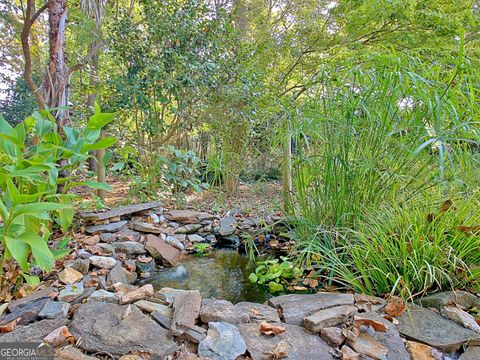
(129, 247)
(127, 234)
(150, 307)
(300, 344)
(103, 262)
(81, 265)
(89, 240)
(161, 319)
(389, 339)
(69, 276)
(472, 353)
(349, 354)
(223, 342)
(72, 353)
(107, 228)
(104, 296)
(27, 313)
(48, 292)
(193, 335)
(333, 336)
(33, 332)
(186, 308)
(107, 237)
(148, 228)
(175, 241)
(295, 307)
(460, 317)
(119, 330)
(259, 313)
(53, 309)
(195, 238)
(159, 249)
(120, 275)
(71, 292)
(167, 295)
(227, 225)
(232, 241)
(423, 325)
(119, 211)
(446, 298)
(365, 344)
(188, 229)
(420, 351)
(189, 216)
(145, 292)
(222, 311)
(105, 249)
(329, 317)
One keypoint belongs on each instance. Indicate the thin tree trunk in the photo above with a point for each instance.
(92, 84)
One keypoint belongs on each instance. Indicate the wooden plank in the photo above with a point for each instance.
(117, 212)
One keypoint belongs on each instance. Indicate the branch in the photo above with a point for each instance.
(91, 53)
(39, 11)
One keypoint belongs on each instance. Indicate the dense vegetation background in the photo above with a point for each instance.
(367, 110)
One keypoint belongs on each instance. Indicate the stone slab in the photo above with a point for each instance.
(119, 211)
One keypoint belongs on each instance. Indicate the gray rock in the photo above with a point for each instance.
(128, 235)
(145, 267)
(259, 312)
(119, 330)
(118, 212)
(105, 249)
(295, 307)
(227, 225)
(104, 296)
(167, 295)
(53, 309)
(472, 353)
(162, 320)
(460, 317)
(108, 228)
(129, 247)
(445, 298)
(230, 241)
(299, 343)
(194, 238)
(175, 242)
(84, 254)
(72, 353)
(107, 237)
(45, 293)
(329, 317)
(150, 307)
(71, 292)
(120, 275)
(222, 311)
(223, 342)
(150, 228)
(27, 313)
(188, 229)
(81, 265)
(425, 326)
(333, 336)
(103, 262)
(34, 332)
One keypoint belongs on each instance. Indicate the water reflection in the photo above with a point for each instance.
(222, 275)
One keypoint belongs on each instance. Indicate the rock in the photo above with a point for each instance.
(295, 307)
(230, 241)
(70, 276)
(420, 351)
(332, 335)
(89, 240)
(33, 332)
(154, 218)
(103, 262)
(145, 266)
(186, 307)
(25, 314)
(86, 293)
(81, 265)
(188, 229)
(72, 353)
(423, 325)
(161, 319)
(119, 330)
(446, 298)
(472, 353)
(222, 311)
(189, 216)
(129, 247)
(223, 342)
(149, 228)
(167, 295)
(195, 238)
(105, 249)
(300, 344)
(84, 254)
(258, 312)
(45, 293)
(349, 354)
(118, 212)
(367, 303)
(120, 275)
(107, 237)
(175, 242)
(58, 336)
(329, 317)
(104, 296)
(127, 234)
(195, 335)
(227, 225)
(460, 317)
(390, 339)
(53, 309)
(71, 292)
(366, 345)
(108, 228)
(150, 307)
(145, 292)
(159, 249)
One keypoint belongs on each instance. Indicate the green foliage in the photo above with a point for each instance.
(202, 249)
(33, 194)
(275, 274)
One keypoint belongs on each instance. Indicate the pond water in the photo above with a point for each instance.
(222, 275)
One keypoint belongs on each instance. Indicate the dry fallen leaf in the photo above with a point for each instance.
(270, 329)
(376, 325)
(395, 307)
(446, 205)
(256, 312)
(470, 230)
(9, 327)
(279, 351)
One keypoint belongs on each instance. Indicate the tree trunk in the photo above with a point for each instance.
(92, 84)
(56, 84)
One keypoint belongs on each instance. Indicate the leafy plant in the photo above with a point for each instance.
(275, 274)
(202, 249)
(33, 194)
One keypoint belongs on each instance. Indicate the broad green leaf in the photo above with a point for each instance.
(19, 250)
(253, 278)
(36, 208)
(98, 121)
(42, 254)
(31, 280)
(274, 286)
(100, 144)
